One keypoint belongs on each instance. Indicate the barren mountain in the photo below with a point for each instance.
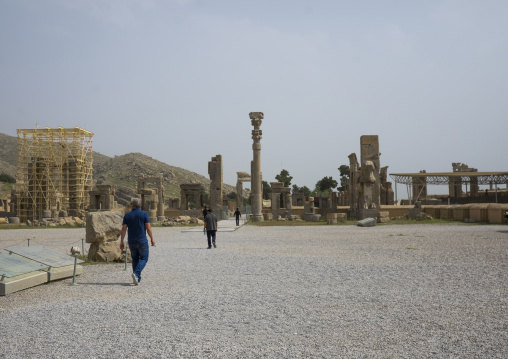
(121, 171)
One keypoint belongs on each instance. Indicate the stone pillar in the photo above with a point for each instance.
(160, 188)
(419, 187)
(275, 204)
(353, 181)
(183, 202)
(334, 201)
(239, 195)
(455, 187)
(289, 204)
(215, 172)
(474, 188)
(257, 189)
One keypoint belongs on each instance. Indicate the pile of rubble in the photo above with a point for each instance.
(181, 220)
(54, 222)
(290, 218)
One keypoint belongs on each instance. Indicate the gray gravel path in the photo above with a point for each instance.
(425, 291)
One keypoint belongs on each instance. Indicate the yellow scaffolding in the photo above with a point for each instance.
(54, 172)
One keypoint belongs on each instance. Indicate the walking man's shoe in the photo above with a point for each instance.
(214, 246)
(134, 279)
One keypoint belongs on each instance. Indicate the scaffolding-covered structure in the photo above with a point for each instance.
(54, 172)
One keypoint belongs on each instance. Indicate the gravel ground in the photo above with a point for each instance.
(394, 291)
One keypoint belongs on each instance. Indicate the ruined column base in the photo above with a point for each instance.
(257, 218)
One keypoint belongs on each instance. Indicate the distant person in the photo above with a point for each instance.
(211, 228)
(205, 212)
(237, 215)
(138, 224)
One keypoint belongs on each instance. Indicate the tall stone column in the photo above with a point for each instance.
(257, 191)
(215, 172)
(239, 195)
(160, 189)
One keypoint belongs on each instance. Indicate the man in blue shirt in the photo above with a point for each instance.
(138, 224)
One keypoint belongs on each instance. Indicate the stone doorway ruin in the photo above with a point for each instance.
(242, 177)
(190, 195)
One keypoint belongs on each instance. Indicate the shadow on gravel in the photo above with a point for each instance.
(502, 231)
(121, 284)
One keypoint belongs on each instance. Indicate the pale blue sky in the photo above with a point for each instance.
(176, 80)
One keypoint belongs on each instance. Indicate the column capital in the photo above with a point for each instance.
(256, 135)
(256, 119)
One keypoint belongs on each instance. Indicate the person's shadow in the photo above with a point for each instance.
(120, 284)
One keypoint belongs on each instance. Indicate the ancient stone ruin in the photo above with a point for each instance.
(102, 198)
(191, 194)
(242, 177)
(152, 199)
(281, 200)
(367, 188)
(310, 212)
(54, 172)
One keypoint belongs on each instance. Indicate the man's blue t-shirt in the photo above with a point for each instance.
(135, 221)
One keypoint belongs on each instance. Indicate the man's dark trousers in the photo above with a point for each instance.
(211, 237)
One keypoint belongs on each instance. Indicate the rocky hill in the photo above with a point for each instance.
(8, 154)
(121, 171)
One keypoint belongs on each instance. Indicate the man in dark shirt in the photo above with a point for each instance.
(237, 215)
(138, 224)
(210, 226)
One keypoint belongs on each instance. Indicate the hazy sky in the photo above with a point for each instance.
(176, 80)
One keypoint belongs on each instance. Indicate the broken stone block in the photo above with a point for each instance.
(102, 231)
(367, 222)
(103, 226)
(311, 217)
(331, 218)
(106, 252)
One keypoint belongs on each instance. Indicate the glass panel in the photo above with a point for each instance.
(12, 266)
(44, 255)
